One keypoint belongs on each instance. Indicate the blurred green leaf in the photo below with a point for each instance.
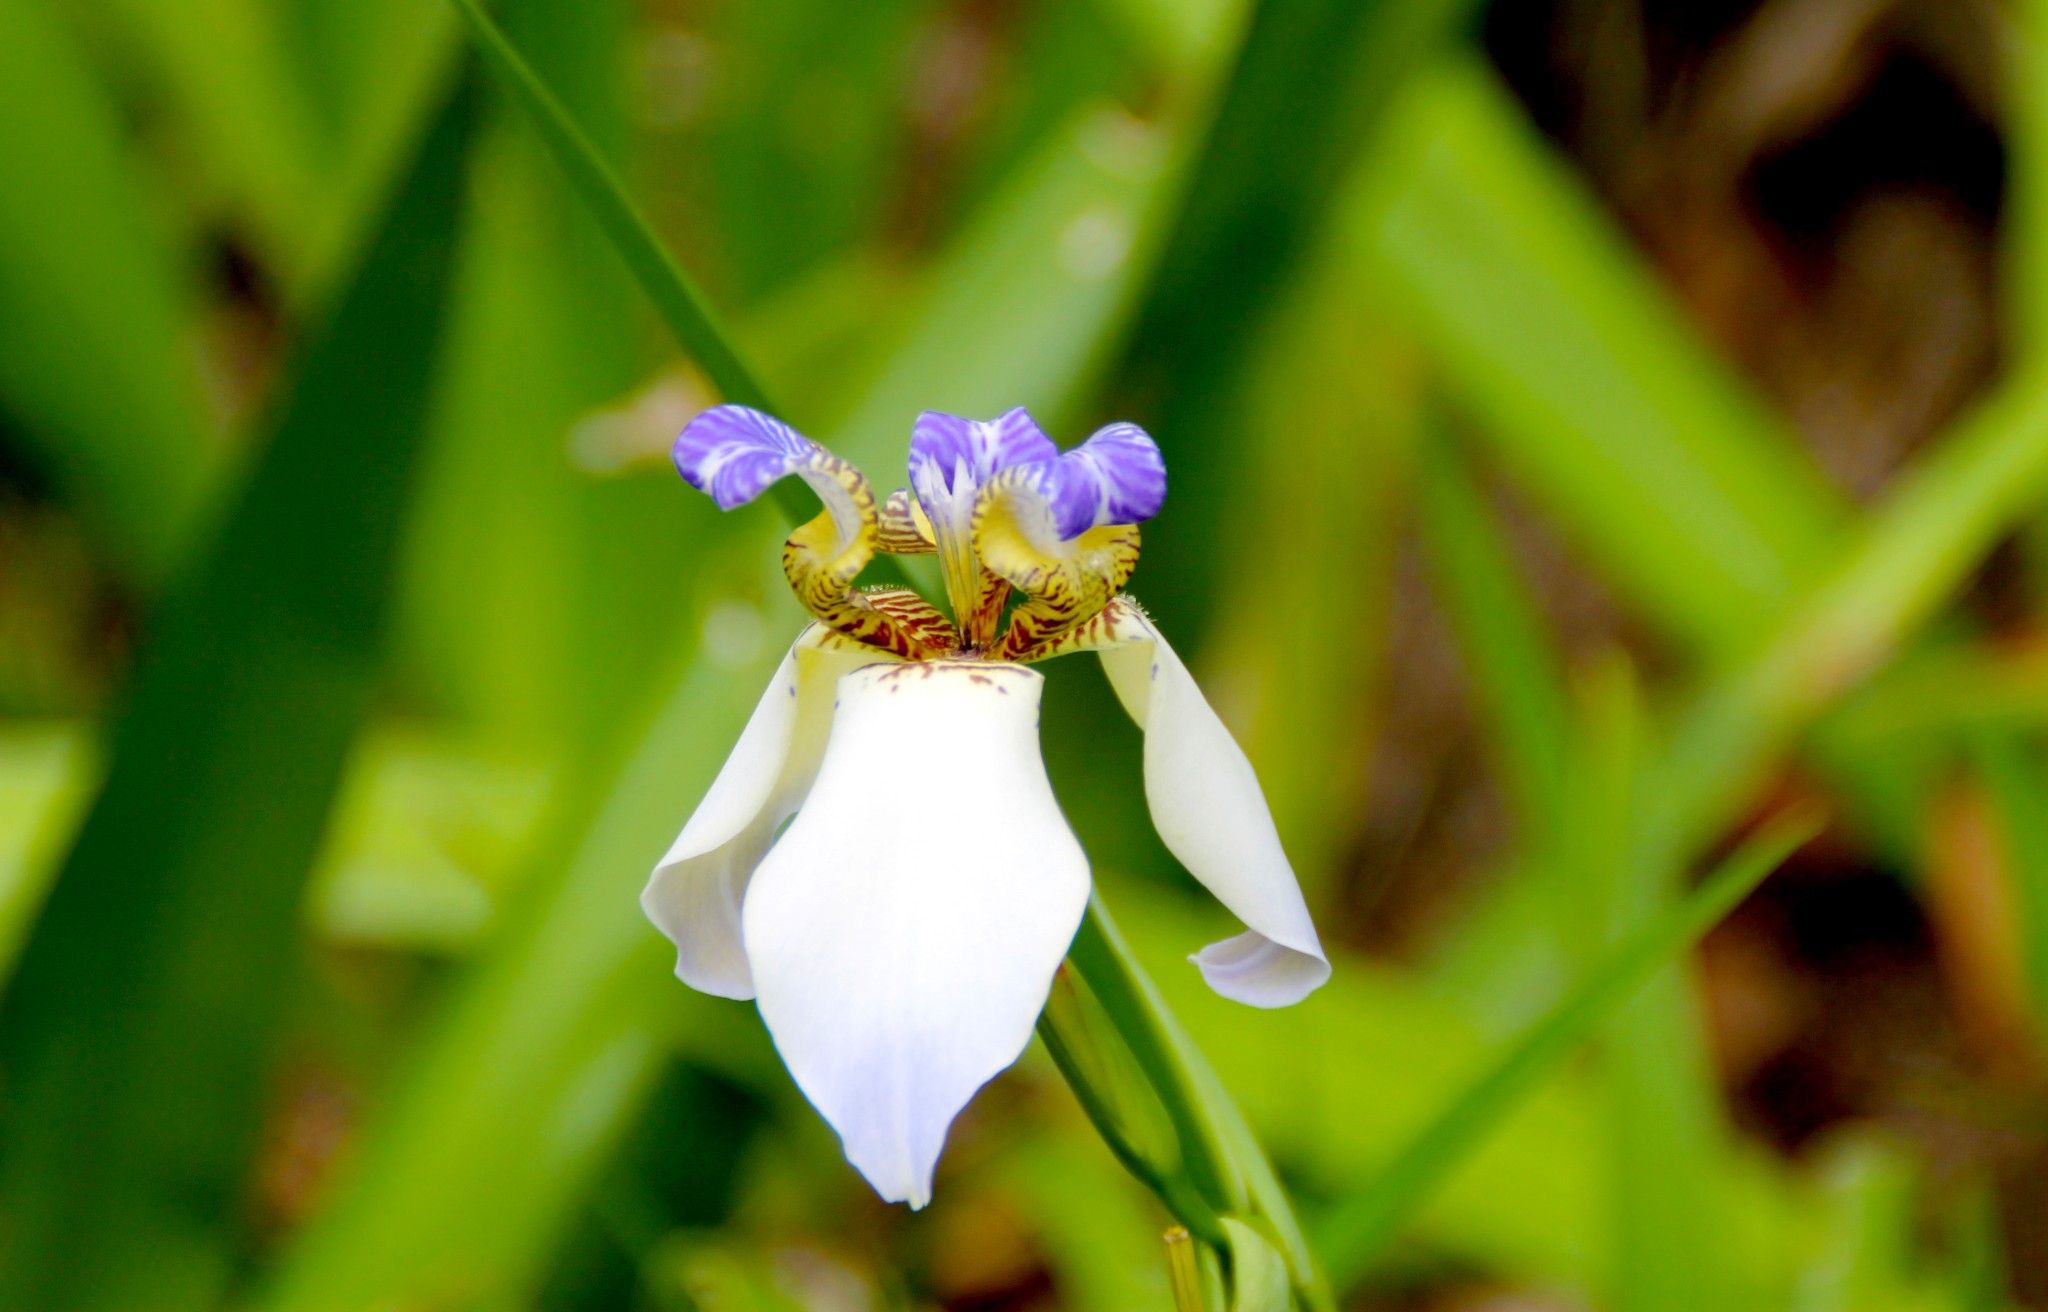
(136, 1028)
(426, 833)
(1667, 1146)
(676, 297)
(99, 371)
(1912, 553)
(1258, 1274)
(2015, 775)
(540, 579)
(46, 779)
(1311, 83)
(1063, 243)
(1356, 1233)
(1100, 1235)
(1861, 1265)
(1292, 669)
(1509, 658)
(1689, 494)
(522, 1083)
(2024, 229)
(227, 67)
(781, 127)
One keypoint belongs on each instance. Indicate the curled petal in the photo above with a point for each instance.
(1116, 477)
(695, 893)
(1209, 810)
(734, 453)
(904, 932)
(1066, 580)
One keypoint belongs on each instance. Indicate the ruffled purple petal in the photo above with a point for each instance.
(951, 456)
(1116, 477)
(733, 453)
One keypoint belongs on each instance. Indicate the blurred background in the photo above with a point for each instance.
(1594, 424)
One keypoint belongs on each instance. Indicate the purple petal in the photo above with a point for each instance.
(951, 455)
(1116, 477)
(733, 453)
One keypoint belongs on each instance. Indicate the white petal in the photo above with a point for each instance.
(695, 893)
(1208, 808)
(905, 931)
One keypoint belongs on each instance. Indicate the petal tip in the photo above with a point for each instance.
(732, 453)
(1253, 969)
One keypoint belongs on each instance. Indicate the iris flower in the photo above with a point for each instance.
(901, 934)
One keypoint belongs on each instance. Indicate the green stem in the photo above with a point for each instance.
(1134, 1006)
(1060, 1031)
(1183, 1271)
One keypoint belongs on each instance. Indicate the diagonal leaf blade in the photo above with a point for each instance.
(1359, 1231)
(135, 1032)
(676, 296)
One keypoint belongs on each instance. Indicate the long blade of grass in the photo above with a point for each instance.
(1914, 552)
(681, 304)
(1311, 85)
(1512, 664)
(1690, 496)
(94, 372)
(1357, 1232)
(1666, 1158)
(135, 1032)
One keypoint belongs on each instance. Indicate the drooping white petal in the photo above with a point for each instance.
(695, 893)
(1209, 810)
(904, 932)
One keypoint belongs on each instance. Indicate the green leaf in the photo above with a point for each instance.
(2015, 774)
(676, 297)
(135, 1032)
(1868, 1231)
(1100, 1235)
(1507, 655)
(226, 70)
(1222, 1158)
(96, 372)
(1357, 1232)
(1141, 1017)
(1258, 1274)
(47, 774)
(528, 1075)
(1687, 492)
(1911, 555)
(1312, 83)
(1667, 1156)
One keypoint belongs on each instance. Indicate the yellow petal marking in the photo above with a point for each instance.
(902, 528)
(823, 557)
(1065, 584)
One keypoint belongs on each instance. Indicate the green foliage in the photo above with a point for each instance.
(327, 986)
(137, 1024)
